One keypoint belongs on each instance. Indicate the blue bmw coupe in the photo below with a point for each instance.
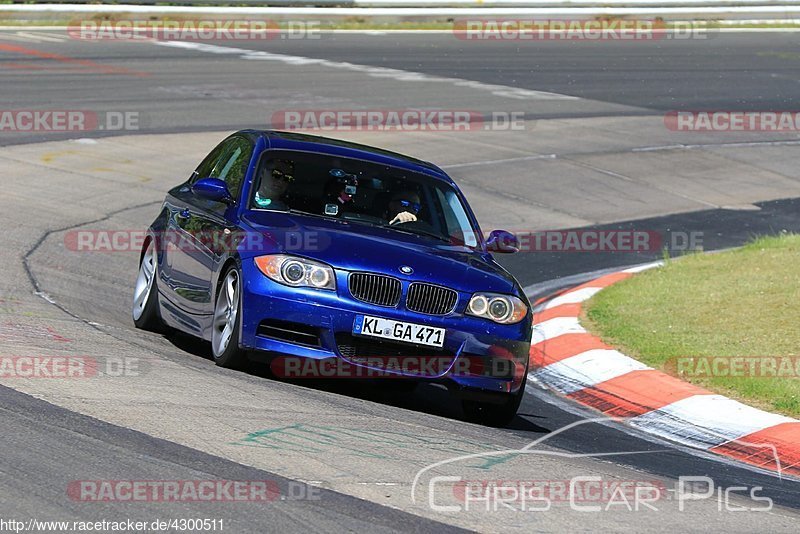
(309, 250)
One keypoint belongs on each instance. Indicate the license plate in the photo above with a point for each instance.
(399, 331)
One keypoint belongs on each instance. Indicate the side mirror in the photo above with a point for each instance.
(212, 189)
(502, 241)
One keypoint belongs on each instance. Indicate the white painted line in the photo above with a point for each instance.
(635, 149)
(706, 421)
(556, 327)
(540, 307)
(496, 161)
(645, 267)
(376, 72)
(573, 297)
(44, 37)
(717, 145)
(16, 38)
(587, 369)
(758, 21)
(542, 289)
(758, 30)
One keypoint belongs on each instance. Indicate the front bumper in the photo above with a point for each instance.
(477, 354)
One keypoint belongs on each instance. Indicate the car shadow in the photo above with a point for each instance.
(193, 345)
(429, 398)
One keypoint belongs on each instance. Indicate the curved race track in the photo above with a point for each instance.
(587, 156)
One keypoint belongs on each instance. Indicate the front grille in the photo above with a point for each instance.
(430, 299)
(355, 346)
(375, 288)
(408, 360)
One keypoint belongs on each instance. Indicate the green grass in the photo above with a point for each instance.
(744, 302)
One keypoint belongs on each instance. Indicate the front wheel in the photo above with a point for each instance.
(490, 414)
(146, 314)
(227, 320)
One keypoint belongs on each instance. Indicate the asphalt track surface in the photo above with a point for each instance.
(56, 440)
(751, 71)
(167, 426)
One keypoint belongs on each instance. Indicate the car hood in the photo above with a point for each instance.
(354, 246)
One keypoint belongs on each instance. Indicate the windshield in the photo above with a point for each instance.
(361, 191)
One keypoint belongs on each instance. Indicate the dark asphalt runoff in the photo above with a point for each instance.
(714, 229)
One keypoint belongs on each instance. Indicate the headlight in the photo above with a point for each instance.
(296, 272)
(503, 309)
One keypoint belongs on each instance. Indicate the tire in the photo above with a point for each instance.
(226, 322)
(145, 311)
(495, 415)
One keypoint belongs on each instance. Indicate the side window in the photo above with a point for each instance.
(206, 168)
(232, 165)
(458, 225)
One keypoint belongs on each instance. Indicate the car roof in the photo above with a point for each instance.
(336, 147)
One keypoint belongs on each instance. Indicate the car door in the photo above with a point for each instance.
(175, 285)
(206, 226)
